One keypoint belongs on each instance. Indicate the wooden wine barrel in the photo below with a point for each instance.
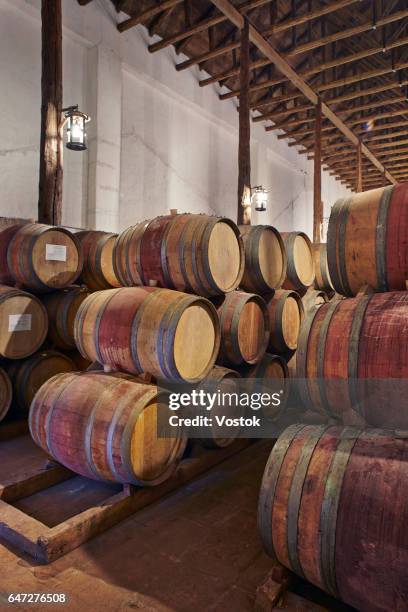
(97, 248)
(28, 375)
(313, 298)
(7, 233)
(80, 362)
(271, 367)
(62, 307)
(265, 258)
(367, 240)
(104, 426)
(193, 253)
(43, 258)
(165, 333)
(285, 310)
(220, 375)
(244, 328)
(23, 323)
(344, 346)
(332, 509)
(300, 271)
(6, 393)
(322, 280)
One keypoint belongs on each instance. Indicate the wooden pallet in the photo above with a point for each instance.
(32, 504)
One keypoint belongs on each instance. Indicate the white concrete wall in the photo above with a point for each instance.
(157, 140)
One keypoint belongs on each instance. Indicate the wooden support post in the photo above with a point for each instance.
(317, 177)
(359, 169)
(244, 148)
(51, 145)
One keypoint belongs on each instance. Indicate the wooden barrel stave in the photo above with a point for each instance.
(6, 235)
(300, 269)
(23, 323)
(28, 375)
(271, 367)
(322, 280)
(6, 393)
(62, 307)
(165, 333)
(349, 341)
(194, 253)
(367, 241)
(285, 310)
(103, 426)
(43, 258)
(98, 272)
(313, 298)
(265, 258)
(321, 517)
(220, 374)
(244, 328)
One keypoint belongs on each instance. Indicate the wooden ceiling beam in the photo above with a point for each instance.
(146, 15)
(204, 57)
(361, 76)
(384, 126)
(339, 111)
(348, 33)
(202, 26)
(286, 69)
(366, 92)
(334, 63)
(344, 82)
(309, 16)
(389, 135)
(349, 111)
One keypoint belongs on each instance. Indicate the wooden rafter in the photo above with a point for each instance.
(338, 61)
(281, 64)
(146, 15)
(202, 26)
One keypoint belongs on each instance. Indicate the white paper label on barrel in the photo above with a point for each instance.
(55, 252)
(19, 322)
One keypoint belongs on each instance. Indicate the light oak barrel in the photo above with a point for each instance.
(271, 367)
(193, 253)
(322, 280)
(168, 334)
(43, 258)
(98, 271)
(347, 344)
(6, 235)
(28, 375)
(219, 375)
(244, 328)
(6, 393)
(104, 426)
(285, 311)
(62, 307)
(313, 298)
(332, 509)
(265, 258)
(23, 323)
(367, 240)
(300, 271)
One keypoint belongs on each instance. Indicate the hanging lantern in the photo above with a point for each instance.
(76, 132)
(259, 198)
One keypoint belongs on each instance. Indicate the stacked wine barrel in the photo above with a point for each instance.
(332, 502)
(36, 261)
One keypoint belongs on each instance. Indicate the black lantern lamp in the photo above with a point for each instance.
(76, 133)
(259, 197)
